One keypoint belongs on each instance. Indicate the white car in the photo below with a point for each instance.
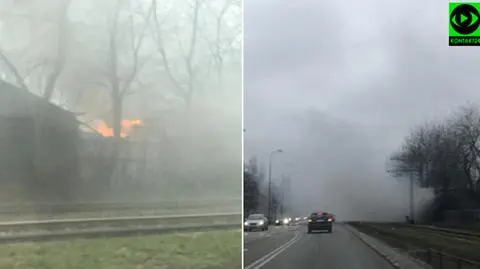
(256, 222)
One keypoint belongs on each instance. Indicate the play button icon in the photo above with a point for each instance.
(465, 19)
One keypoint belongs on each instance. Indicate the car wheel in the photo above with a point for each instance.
(266, 228)
(309, 230)
(329, 230)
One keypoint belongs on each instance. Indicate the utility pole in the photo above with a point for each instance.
(270, 182)
(282, 197)
(275, 209)
(411, 172)
(412, 207)
(269, 187)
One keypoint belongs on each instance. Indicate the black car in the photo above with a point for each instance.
(319, 222)
(283, 221)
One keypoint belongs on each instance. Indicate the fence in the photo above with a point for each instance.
(441, 260)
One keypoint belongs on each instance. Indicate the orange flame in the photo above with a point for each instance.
(127, 126)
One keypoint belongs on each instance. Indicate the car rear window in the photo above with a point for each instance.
(318, 215)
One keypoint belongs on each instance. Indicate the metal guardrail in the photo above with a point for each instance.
(119, 202)
(115, 219)
(441, 256)
(43, 230)
(112, 205)
(41, 237)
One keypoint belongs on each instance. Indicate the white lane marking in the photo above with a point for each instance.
(270, 256)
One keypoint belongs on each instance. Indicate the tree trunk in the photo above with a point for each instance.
(61, 51)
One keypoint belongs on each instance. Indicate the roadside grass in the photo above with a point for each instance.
(203, 250)
(416, 243)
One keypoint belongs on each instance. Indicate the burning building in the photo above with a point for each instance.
(128, 126)
(38, 146)
(108, 162)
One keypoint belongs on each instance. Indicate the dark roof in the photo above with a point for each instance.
(17, 102)
(8, 90)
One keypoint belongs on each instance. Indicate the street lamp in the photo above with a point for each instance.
(270, 180)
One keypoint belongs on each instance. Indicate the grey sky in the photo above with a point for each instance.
(372, 69)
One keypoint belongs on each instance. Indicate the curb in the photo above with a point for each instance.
(389, 259)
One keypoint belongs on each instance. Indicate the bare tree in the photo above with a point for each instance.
(187, 91)
(42, 21)
(118, 89)
(444, 155)
(61, 50)
(222, 44)
(467, 126)
(218, 51)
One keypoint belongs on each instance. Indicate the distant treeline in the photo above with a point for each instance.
(444, 155)
(255, 191)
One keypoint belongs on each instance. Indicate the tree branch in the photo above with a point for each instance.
(161, 48)
(136, 48)
(13, 70)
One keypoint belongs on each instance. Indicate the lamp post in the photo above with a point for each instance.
(270, 181)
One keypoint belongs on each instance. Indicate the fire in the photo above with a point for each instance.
(107, 131)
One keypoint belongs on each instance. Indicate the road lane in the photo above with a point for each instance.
(252, 236)
(338, 250)
(257, 245)
(272, 231)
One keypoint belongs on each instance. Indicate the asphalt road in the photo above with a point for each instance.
(292, 247)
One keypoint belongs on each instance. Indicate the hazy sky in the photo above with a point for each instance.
(372, 69)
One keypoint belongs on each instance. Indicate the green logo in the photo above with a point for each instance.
(464, 29)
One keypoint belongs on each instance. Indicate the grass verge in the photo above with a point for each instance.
(205, 250)
(416, 244)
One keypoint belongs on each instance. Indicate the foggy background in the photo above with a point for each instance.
(338, 85)
(152, 90)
